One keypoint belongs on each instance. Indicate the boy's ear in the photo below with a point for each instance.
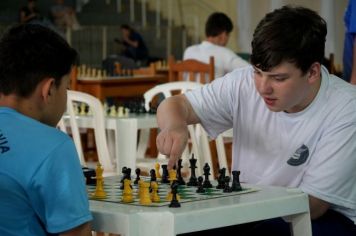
(314, 72)
(47, 89)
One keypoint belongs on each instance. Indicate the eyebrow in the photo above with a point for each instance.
(271, 73)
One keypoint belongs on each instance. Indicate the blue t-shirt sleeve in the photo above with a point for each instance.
(59, 192)
(350, 17)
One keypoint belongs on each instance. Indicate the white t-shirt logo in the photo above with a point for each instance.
(299, 157)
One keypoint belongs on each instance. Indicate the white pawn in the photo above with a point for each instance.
(82, 109)
(113, 111)
(120, 112)
(127, 111)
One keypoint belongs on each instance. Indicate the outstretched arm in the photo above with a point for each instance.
(173, 116)
(82, 230)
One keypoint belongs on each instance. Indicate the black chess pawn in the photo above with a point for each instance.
(164, 174)
(206, 170)
(200, 188)
(138, 173)
(89, 176)
(128, 173)
(227, 188)
(221, 178)
(236, 186)
(174, 188)
(193, 179)
(179, 173)
(153, 175)
(123, 171)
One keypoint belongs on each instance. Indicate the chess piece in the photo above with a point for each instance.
(227, 188)
(120, 112)
(200, 188)
(179, 173)
(236, 186)
(193, 165)
(127, 111)
(127, 195)
(172, 175)
(153, 175)
(145, 198)
(154, 194)
(164, 174)
(99, 190)
(112, 111)
(221, 179)
(138, 172)
(206, 170)
(82, 109)
(170, 193)
(174, 202)
(157, 166)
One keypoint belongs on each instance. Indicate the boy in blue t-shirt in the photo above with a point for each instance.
(41, 183)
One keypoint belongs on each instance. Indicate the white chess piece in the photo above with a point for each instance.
(127, 111)
(120, 112)
(113, 111)
(82, 109)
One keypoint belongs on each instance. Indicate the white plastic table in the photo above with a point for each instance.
(269, 202)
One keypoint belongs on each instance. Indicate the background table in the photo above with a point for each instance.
(121, 86)
(269, 202)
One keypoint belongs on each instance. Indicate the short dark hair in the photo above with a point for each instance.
(30, 53)
(292, 34)
(218, 23)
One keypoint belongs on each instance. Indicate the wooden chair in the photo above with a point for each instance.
(150, 70)
(191, 70)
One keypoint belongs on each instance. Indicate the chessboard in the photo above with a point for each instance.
(112, 187)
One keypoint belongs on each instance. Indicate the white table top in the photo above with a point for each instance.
(269, 202)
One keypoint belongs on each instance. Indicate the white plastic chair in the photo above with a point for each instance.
(167, 90)
(98, 119)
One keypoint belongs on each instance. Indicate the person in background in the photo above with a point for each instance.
(134, 46)
(41, 181)
(63, 17)
(294, 124)
(29, 13)
(349, 58)
(217, 30)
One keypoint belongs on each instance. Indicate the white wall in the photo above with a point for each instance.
(247, 13)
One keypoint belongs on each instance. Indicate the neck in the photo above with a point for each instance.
(21, 105)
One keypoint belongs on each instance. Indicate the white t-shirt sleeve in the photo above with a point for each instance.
(331, 174)
(215, 103)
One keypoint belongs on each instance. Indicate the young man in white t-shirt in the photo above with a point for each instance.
(294, 124)
(217, 30)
